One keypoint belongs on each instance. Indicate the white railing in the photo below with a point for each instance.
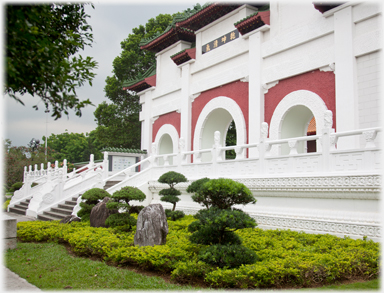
(282, 157)
(269, 160)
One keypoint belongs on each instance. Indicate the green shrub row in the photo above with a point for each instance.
(284, 258)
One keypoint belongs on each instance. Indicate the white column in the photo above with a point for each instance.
(347, 117)
(185, 106)
(146, 120)
(256, 93)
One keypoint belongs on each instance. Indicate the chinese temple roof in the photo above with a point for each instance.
(254, 21)
(325, 6)
(185, 24)
(123, 150)
(184, 56)
(142, 82)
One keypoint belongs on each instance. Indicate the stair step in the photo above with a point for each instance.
(17, 211)
(69, 202)
(64, 212)
(24, 203)
(21, 207)
(57, 216)
(46, 218)
(65, 207)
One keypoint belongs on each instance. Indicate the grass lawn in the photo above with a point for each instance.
(49, 266)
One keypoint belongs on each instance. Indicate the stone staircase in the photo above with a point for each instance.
(59, 212)
(109, 184)
(20, 208)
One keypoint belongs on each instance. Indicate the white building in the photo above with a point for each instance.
(274, 70)
(300, 81)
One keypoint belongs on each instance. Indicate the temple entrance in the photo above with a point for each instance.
(165, 147)
(295, 123)
(218, 115)
(166, 142)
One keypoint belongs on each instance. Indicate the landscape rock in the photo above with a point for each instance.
(70, 219)
(152, 226)
(100, 213)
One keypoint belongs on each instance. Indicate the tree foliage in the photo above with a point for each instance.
(171, 194)
(118, 123)
(16, 158)
(223, 193)
(75, 147)
(42, 46)
(121, 201)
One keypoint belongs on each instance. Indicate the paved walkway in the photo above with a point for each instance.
(12, 281)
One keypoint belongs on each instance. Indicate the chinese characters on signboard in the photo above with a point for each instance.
(220, 41)
(120, 163)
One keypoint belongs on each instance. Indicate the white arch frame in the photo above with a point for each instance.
(303, 98)
(172, 132)
(234, 110)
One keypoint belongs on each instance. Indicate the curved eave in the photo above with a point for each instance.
(325, 6)
(184, 56)
(254, 22)
(207, 15)
(170, 37)
(142, 85)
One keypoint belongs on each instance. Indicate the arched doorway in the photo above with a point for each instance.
(166, 141)
(295, 124)
(292, 118)
(217, 115)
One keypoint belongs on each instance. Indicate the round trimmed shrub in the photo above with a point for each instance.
(223, 193)
(230, 256)
(174, 215)
(171, 194)
(120, 201)
(92, 198)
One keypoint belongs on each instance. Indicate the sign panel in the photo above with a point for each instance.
(220, 41)
(120, 163)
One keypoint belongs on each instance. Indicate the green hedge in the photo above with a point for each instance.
(285, 258)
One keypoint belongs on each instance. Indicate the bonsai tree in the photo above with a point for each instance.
(195, 187)
(171, 194)
(92, 198)
(120, 201)
(216, 225)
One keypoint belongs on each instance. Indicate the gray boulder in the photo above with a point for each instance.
(70, 219)
(100, 213)
(151, 227)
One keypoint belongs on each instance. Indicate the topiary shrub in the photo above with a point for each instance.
(216, 225)
(120, 201)
(195, 187)
(92, 198)
(230, 256)
(223, 193)
(171, 194)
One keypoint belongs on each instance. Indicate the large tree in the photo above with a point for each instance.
(42, 46)
(75, 147)
(118, 122)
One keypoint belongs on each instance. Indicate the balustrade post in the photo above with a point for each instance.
(91, 161)
(64, 169)
(49, 172)
(105, 165)
(216, 153)
(42, 169)
(262, 148)
(56, 165)
(25, 174)
(328, 141)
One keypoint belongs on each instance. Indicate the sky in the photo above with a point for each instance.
(111, 23)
